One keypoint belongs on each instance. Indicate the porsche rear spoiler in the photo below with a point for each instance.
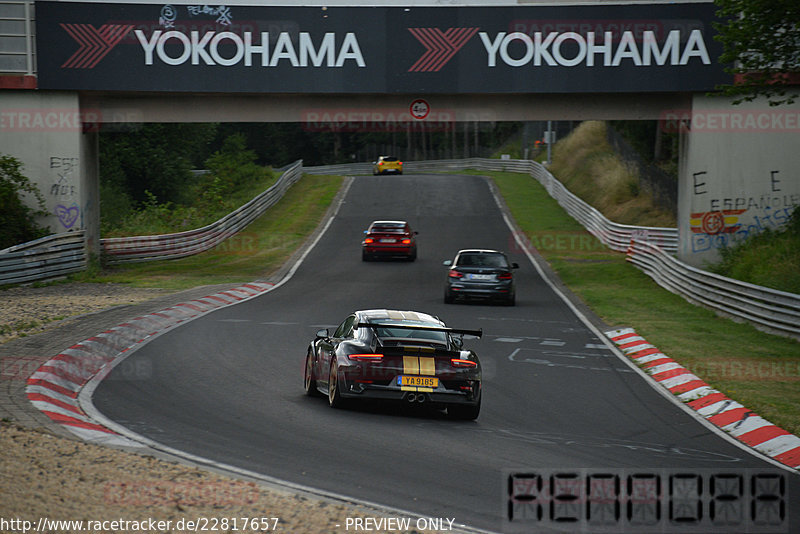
(462, 331)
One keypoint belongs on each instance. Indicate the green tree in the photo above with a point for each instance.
(17, 220)
(156, 158)
(761, 42)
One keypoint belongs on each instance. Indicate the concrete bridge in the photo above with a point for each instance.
(68, 67)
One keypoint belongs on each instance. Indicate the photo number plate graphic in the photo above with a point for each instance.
(640, 500)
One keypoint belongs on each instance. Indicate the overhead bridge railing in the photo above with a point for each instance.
(615, 236)
(17, 38)
(768, 309)
(118, 250)
(49, 257)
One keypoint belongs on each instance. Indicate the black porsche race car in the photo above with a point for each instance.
(404, 356)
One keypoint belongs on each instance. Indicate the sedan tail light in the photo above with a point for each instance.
(369, 240)
(505, 276)
(456, 362)
(455, 274)
(406, 241)
(366, 357)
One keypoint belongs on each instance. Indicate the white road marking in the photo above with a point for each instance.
(540, 361)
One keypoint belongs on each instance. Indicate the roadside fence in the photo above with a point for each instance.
(118, 250)
(767, 309)
(48, 257)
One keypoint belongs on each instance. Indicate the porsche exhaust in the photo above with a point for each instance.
(413, 397)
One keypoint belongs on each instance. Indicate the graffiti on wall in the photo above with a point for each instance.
(64, 190)
(731, 220)
(719, 229)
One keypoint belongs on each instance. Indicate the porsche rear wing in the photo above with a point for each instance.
(461, 331)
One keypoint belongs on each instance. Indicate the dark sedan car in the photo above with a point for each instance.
(480, 274)
(402, 356)
(389, 239)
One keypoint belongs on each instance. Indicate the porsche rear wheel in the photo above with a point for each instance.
(334, 397)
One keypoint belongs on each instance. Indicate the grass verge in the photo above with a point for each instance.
(262, 248)
(759, 370)
(585, 162)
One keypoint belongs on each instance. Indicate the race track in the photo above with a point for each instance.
(228, 386)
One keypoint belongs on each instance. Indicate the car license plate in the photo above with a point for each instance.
(418, 381)
(388, 240)
(481, 277)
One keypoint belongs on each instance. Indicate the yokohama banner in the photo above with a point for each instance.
(277, 49)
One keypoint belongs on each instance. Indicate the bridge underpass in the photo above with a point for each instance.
(111, 108)
(98, 63)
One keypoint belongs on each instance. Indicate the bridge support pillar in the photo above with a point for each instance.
(739, 173)
(45, 130)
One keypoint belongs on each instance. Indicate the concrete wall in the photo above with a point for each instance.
(739, 174)
(44, 131)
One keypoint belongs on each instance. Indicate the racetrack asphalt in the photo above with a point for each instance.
(228, 385)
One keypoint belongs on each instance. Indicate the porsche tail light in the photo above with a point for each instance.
(455, 362)
(455, 274)
(504, 276)
(366, 357)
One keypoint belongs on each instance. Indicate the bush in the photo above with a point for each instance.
(234, 165)
(17, 220)
(769, 259)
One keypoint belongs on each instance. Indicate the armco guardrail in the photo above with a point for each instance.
(614, 235)
(48, 257)
(172, 246)
(768, 309)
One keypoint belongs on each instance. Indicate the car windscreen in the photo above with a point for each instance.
(391, 229)
(482, 260)
(389, 159)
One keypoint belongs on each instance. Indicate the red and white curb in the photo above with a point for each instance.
(54, 387)
(715, 407)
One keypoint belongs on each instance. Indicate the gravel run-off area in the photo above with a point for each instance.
(46, 475)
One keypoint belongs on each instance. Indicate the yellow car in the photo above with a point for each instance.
(387, 164)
